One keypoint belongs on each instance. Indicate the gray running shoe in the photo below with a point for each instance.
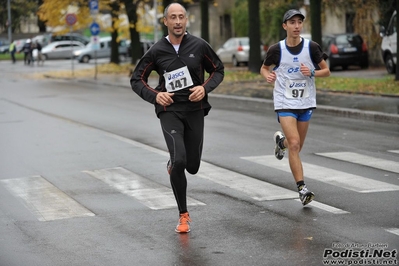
(305, 195)
(278, 152)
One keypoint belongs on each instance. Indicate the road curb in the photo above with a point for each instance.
(251, 104)
(256, 104)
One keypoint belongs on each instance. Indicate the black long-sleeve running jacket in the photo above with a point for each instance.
(196, 54)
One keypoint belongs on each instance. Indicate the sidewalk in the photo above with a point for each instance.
(253, 95)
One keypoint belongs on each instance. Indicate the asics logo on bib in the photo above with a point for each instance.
(293, 69)
(176, 75)
(298, 85)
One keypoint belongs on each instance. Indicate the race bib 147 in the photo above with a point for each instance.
(178, 79)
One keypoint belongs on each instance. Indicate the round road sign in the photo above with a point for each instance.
(71, 19)
(94, 28)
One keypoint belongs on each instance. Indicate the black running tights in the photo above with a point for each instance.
(183, 132)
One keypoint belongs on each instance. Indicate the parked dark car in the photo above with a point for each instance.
(346, 49)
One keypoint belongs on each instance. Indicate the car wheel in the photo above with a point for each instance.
(85, 59)
(389, 64)
(235, 62)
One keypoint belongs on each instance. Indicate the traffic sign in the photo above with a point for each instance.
(71, 19)
(94, 28)
(96, 42)
(93, 5)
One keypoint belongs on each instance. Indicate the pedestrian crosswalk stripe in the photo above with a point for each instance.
(254, 188)
(393, 231)
(326, 207)
(45, 200)
(151, 194)
(361, 159)
(394, 151)
(330, 176)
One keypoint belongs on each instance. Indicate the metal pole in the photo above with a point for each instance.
(9, 20)
(95, 64)
(155, 21)
(70, 31)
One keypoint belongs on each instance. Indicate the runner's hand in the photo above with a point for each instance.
(305, 70)
(164, 98)
(198, 93)
(271, 77)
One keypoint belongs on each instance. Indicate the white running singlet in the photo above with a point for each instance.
(293, 90)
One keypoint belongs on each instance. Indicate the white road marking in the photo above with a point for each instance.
(393, 231)
(330, 176)
(361, 159)
(254, 188)
(326, 207)
(45, 200)
(151, 194)
(394, 151)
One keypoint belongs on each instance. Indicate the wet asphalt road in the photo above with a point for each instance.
(78, 160)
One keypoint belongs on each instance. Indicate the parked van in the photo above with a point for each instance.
(102, 49)
(389, 45)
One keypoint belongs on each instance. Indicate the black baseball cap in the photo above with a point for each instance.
(292, 12)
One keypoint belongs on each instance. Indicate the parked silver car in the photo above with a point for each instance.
(101, 49)
(4, 46)
(61, 49)
(236, 51)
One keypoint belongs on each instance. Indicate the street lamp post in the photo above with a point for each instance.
(9, 20)
(155, 21)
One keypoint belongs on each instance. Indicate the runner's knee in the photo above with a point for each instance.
(192, 167)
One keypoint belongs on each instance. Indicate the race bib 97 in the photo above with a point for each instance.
(295, 89)
(178, 79)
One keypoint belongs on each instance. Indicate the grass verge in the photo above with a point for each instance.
(380, 86)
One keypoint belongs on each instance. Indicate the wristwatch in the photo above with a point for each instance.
(312, 73)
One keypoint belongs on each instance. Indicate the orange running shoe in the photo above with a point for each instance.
(169, 167)
(184, 223)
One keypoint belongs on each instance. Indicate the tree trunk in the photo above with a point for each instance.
(315, 20)
(205, 20)
(135, 46)
(41, 24)
(115, 7)
(255, 59)
(165, 4)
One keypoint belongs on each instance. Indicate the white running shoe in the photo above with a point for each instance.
(278, 152)
(305, 195)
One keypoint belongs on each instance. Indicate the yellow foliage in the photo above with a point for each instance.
(54, 13)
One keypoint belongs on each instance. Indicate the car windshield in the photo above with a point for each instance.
(244, 42)
(349, 39)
